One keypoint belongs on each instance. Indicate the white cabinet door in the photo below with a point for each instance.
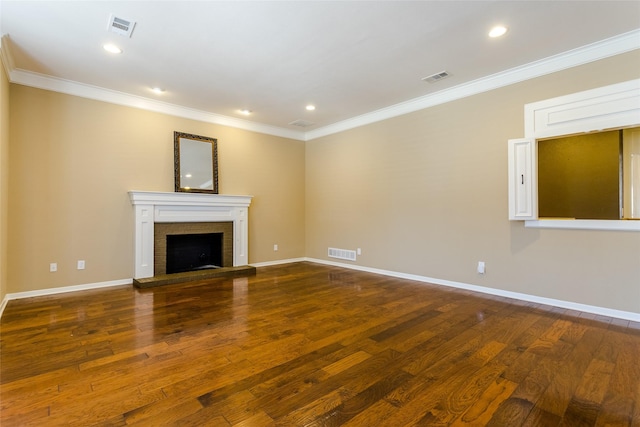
(523, 184)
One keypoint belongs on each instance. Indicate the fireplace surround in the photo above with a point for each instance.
(189, 211)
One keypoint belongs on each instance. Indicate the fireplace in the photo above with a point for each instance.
(192, 252)
(158, 215)
(192, 246)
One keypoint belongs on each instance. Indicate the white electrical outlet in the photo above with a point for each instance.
(275, 248)
(80, 264)
(359, 251)
(53, 267)
(481, 267)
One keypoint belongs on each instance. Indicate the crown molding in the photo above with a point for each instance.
(69, 87)
(5, 55)
(603, 49)
(40, 81)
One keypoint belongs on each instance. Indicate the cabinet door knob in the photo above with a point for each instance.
(522, 179)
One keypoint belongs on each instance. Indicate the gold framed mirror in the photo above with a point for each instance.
(195, 163)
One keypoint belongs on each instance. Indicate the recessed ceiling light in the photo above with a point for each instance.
(497, 31)
(157, 90)
(112, 48)
(310, 107)
(245, 112)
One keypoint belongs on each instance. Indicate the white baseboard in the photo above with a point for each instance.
(626, 315)
(278, 262)
(64, 289)
(3, 304)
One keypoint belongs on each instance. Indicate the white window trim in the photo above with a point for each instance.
(609, 107)
(585, 224)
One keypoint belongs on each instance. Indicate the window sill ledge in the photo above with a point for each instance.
(585, 224)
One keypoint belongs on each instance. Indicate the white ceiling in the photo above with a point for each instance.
(349, 58)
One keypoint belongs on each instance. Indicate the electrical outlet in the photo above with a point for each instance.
(481, 267)
(359, 251)
(275, 248)
(53, 267)
(80, 264)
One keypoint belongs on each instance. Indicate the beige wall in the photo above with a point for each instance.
(4, 178)
(426, 194)
(73, 160)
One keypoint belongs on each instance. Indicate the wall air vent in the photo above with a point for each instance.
(301, 123)
(342, 254)
(436, 77)
(121, 26)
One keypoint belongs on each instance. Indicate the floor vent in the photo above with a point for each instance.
(342, 254)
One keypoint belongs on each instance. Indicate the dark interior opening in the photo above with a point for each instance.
(580, 176)
(190, 252)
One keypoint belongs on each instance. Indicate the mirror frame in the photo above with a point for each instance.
(177, 141)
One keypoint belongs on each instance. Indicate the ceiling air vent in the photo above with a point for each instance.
(302, 123)
(436, 77)
(121, 26)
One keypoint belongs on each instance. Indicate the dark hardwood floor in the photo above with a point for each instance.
(307, 344)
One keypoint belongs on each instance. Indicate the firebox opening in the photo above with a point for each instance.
(191, 252)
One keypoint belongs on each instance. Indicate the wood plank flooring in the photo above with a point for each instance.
(310, 345)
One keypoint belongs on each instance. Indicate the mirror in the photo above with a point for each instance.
(196, 163)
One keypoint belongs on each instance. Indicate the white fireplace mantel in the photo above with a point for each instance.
(152, 207)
